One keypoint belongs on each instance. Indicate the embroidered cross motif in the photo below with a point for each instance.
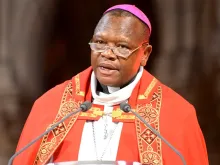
(59, 129)
(148, 136)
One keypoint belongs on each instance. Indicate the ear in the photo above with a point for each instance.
(145, 56)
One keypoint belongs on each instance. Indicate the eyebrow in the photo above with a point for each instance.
(122, 39)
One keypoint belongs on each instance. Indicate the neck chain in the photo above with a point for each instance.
(105, 116)
(94, 138)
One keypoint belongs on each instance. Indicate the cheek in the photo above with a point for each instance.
(126, 69)
(132, 63)
(130, 67)
(93, 59)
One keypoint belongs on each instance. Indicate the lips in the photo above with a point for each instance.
(107, 66)
(107, 69)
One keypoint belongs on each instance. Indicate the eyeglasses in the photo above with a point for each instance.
(117, 50)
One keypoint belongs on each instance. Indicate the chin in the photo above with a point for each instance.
(108, 81)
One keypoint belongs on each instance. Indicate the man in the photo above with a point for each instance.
(120, 49)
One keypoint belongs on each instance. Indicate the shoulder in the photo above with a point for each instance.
(52, 94)
(55, 94)
(176, 101)
(173, 105)
(168, 95)
(175, 112)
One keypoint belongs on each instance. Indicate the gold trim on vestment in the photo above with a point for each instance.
(78, 91)
(148, 90)
(117, 115)
(149, 145)
(53, 139)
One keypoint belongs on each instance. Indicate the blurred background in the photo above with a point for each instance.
(44, 42)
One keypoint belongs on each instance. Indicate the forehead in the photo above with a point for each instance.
(121, 28)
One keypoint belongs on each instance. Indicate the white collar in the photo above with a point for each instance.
(113, 89)
(118, 95)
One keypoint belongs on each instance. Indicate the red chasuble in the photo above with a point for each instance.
(161, 107)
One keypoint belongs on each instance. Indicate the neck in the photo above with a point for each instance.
(116, 95)
(108, 89)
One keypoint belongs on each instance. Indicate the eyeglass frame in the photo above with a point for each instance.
(114, 47)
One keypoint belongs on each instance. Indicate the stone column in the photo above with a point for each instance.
(211, 64)
(166, 18)
(31, 23)
(8, 90)
(188, 60)
(176, 21)
(24, 27)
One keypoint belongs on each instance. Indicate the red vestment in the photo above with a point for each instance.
(160, 106)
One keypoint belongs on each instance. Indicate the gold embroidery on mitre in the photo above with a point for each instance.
(149, 145)
(148, 90)
(53, 139)
(77, 81)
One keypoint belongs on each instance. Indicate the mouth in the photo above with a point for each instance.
(107, 66)
(107, 69)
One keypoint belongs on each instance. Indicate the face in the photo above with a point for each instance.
(110, 69)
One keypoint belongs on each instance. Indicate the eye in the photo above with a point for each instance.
(99, 42)
(123, 46)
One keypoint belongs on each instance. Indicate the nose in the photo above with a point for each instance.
(109, 54)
